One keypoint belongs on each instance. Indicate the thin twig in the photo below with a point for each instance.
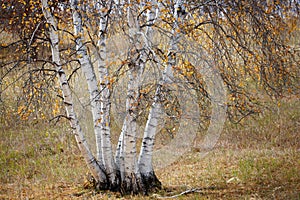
(36, 28)
(182, 193)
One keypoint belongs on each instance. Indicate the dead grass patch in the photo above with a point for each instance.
(258, 159)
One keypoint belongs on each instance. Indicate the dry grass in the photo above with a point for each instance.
(38, 159)
(238, 174)
(258, 159)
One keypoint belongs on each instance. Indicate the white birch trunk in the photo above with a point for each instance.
(68, 101)
(126, 150)
(107, 154)
(145, 157)
(144, 162)
(129, 133)
(90, 76)
(119, 157)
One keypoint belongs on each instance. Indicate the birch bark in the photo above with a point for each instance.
(106, 146)
(128, 161)
(67, 95)
(90, 76)
(145, 157)
(126, 151)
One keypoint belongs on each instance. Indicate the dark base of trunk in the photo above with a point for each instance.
(132, 184)
(113, 186)
(150, 182)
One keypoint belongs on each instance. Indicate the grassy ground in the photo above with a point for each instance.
(258, 159)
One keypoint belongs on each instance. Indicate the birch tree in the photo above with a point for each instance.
(145, 157)
(242, 41)
(124, 170)
(106, 146)
(79, 135)
(126, 151)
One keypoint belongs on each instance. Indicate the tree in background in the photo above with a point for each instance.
(244, 42)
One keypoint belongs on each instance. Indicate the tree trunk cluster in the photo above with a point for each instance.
(125, 172)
